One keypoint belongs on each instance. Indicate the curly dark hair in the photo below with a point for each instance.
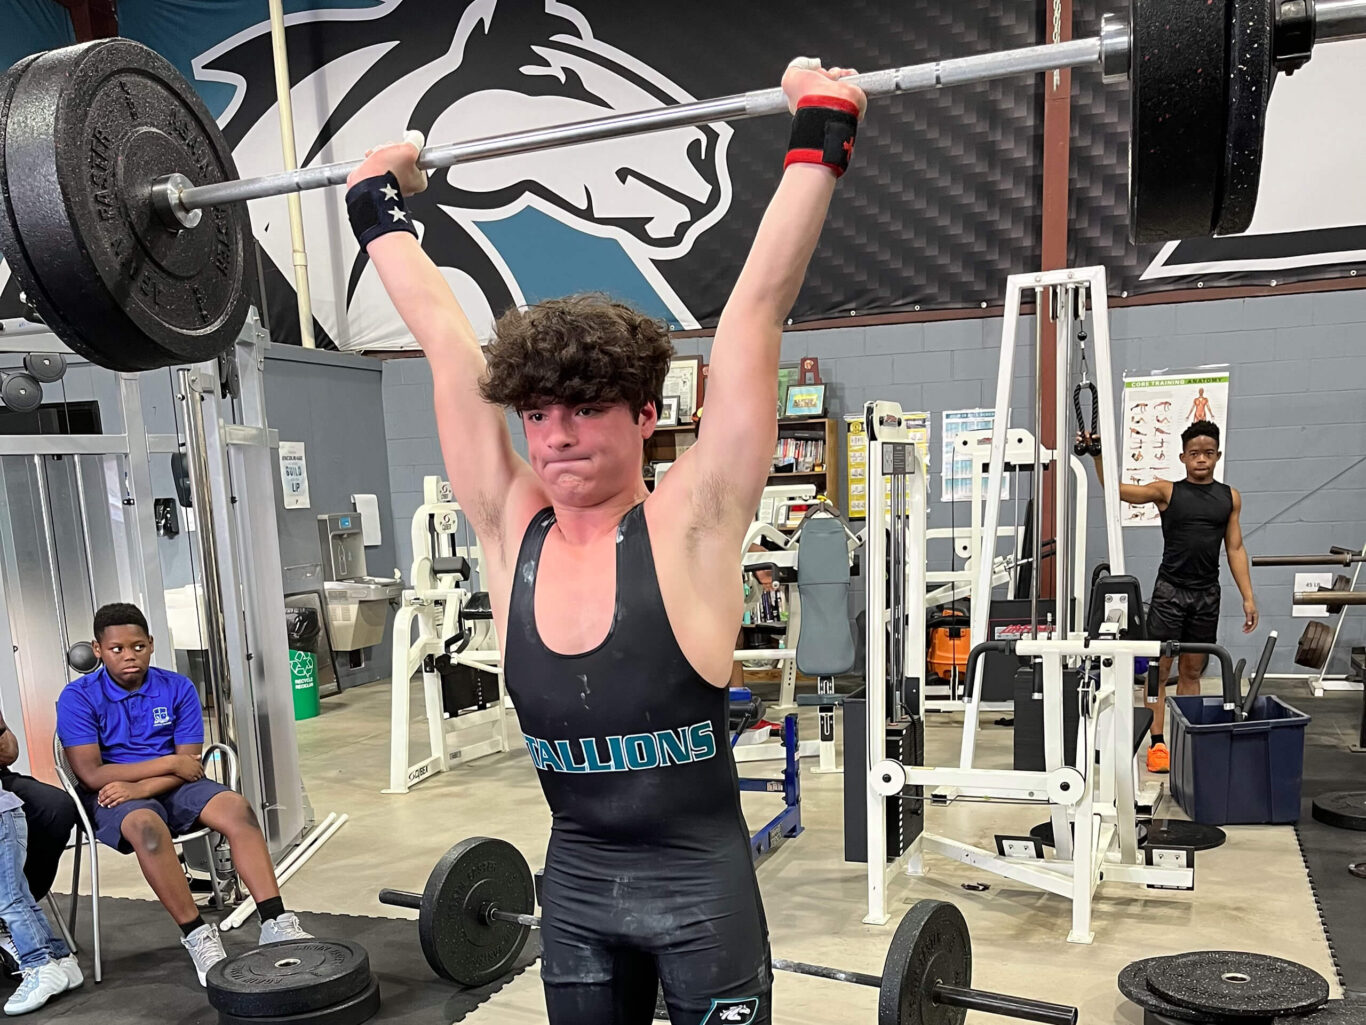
(1200, 429)
(119, 614)
(576, 350)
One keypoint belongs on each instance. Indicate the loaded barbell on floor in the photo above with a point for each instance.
(474, 917)
(121, 216)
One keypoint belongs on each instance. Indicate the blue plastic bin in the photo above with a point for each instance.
(1225, 772)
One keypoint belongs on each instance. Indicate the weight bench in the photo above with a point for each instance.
(746, 709)
(825, 647)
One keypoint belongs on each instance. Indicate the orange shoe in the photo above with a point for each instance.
(1158, 759)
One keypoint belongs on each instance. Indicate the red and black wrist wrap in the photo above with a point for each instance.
(823, 131)
(375, 207)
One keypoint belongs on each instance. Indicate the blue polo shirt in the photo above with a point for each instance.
(130, 726)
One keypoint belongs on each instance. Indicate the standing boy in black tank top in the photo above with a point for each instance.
(1198, 515)
(616, 607)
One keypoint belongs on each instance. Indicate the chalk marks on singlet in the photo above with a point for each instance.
(628, 753)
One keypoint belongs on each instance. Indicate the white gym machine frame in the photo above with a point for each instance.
(1101, 810)
(434, 603)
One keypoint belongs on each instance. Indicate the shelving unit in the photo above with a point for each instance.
(663, 446)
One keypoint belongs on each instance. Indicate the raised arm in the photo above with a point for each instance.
(481, 463)
(1158, 492)
(1238, 563)
(734, 450)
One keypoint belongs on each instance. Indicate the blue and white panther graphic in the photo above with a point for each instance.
(505, 231)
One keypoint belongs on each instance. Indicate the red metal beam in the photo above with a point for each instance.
(93, 19)
(1057, 131)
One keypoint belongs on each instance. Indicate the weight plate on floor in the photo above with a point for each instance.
(46, 367)
(352, 1011)
(1237, 984)
(1312, 650)
(1133, 983)
(90, 127)
(1345, 809)
(1250, 75)
(458, 939)
(1335, 1012)
(20, 392)
(294, 977)
(930, 946)
(1182, 833)
(1178, 118)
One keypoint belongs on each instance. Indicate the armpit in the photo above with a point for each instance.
(711, 501)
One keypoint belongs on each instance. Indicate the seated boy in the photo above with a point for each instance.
(133, 734)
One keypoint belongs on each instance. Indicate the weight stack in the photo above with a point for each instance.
(905, 815)
(1029, 753)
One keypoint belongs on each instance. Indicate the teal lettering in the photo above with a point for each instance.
(642, 751)
(595, 763)
(673, 747)
(535, 755)
(567, 757)
(618, 755)
(702, 741)
(548, 757)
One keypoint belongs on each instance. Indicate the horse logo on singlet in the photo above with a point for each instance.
(625, 753)
(732, 1012)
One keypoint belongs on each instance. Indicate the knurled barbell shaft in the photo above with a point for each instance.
(1327, 597)
(1333, 559)
(1113, 44)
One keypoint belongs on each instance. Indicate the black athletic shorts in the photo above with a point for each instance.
(1183, 613)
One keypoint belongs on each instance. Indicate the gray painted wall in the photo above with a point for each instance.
(1296, 448)
(333, 403)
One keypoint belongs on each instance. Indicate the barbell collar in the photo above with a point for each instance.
(738, 107)
(1327, 597)
(1001, 1003)
(1116, 44)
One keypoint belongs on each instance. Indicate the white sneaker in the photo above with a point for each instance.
(283, 927)
(206, 948)
(71, 968)
(40, 985)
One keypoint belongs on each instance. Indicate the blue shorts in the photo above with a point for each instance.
(178, 808)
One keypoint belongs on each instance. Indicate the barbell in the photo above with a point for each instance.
(474, 917)
(121, 212)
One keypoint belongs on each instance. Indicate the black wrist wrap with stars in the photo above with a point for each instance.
(375, 207)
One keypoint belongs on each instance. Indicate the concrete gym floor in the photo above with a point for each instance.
(1251, 894)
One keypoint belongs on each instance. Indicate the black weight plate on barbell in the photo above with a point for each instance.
(1133, 983)
(45, 367)
(1250, 75)
(90, 128)
(459, 942)
(1314, 644)
(1341, 582)
(1344, 809)
(931, 945)
(11, 245)
(1237, 983)
(293, 977)
(354, 1010)
(20, 392)
(1334, 1012)
(1178, 120)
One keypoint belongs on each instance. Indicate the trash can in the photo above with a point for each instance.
(303, 629)
(1225, 772)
